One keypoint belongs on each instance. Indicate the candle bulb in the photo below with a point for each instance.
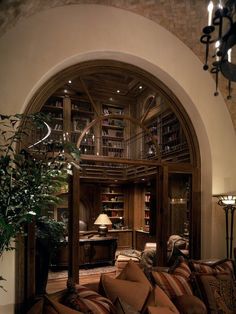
(229, 55)
(217, 45)
(210, 10)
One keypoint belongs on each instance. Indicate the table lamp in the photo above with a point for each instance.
(102, 221)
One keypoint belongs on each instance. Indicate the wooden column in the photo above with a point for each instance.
(195, 216)
(30, 263)
(162, 222)
(73, 226)
(20, 277)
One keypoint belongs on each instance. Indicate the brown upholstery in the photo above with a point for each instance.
(218, 291)
(190, 304)
(133, 288)
(51, 305)
(159, 310)
(133, 293)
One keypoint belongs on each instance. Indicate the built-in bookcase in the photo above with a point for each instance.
(167, 134)
(113, 131)
(113, 204)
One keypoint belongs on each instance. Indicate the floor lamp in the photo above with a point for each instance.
(228, 202)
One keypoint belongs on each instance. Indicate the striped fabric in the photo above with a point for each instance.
(173, 285)
(176, 283)
(88, 301)
(222, 266)
(182, 270)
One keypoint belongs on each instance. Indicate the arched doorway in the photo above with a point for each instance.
(151, 100)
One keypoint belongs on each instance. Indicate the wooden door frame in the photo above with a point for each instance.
(195, 214)
(49, 87)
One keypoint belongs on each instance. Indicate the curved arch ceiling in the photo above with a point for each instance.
(146, 101)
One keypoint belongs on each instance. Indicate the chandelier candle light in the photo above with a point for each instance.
(228, 202)
(220, 32)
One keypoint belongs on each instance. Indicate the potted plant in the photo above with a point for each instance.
(49, 236)
(30, 173)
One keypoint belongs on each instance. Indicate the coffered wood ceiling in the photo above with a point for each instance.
(184, 18)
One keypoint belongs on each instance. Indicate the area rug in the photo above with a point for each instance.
(57, 281)
(82, 272)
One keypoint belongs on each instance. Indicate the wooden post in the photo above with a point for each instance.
(30, 263)
(163, 215)
(73, 225)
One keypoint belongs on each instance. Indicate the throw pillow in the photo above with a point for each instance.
(217, 291)
(132, 272)
(161, 299)
(87, 301)
(123, 308)
(133, 293)
(175, 283)
(181, 268)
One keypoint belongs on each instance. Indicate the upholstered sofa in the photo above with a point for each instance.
(188, 287)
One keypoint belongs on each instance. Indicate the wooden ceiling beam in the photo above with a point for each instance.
(124, 161)
(89, 96)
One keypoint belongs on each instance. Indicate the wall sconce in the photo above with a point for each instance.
(102, 221)
(228, 202)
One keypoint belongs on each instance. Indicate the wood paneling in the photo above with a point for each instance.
(141, 238)
(124, 238)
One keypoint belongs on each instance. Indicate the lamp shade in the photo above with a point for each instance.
(228, 202)
(103, 219)
(225, 200)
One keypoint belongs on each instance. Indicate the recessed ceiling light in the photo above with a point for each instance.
(69, 81)
(65, 90)
(118, 91)
(110, 98)
(140, 87)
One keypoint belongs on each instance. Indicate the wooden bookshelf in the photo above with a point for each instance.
(112, 203)
(168, 134)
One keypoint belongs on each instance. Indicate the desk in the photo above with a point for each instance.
(141, 238)
(93, 251)
(124, 238)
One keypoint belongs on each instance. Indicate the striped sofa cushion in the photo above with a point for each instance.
(88, 301)
(181, 268)
(217, 267)
(175, 283)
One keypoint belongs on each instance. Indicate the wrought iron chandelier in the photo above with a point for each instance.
(220, 32)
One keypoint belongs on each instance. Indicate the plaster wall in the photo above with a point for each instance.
(42, 45)
(7, 271)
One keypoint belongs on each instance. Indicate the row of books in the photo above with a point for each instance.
(58, 127)
(81, 105)
(56, 103)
